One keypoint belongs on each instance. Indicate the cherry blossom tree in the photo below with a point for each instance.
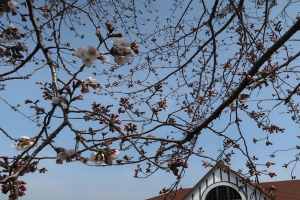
(135, 86)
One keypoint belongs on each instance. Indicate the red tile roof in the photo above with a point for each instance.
(286, 190)
(176, 195)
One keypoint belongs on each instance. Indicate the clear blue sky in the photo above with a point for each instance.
(76, 181)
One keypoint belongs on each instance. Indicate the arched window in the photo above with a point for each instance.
(223, 193)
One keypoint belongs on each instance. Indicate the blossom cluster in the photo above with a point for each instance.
(90, 55)
(8, 5)
(101, 158)
(89, 82)
(64, 155)
(11, 35)
(122, 50)
(58, 99)
(24, 143)
(85, 84)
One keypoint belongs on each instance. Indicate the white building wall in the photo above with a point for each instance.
(196, 194)
(217, 176)
(232, 178)
(255, 195)
(203, 186)
(210, 180)
(224, 176)
(251, 193)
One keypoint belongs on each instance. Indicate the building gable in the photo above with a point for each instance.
(220, 178)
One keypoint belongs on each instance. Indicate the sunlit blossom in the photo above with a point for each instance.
(125, 43)
(18, 33)
(10, 26)
(97, 158)
(58, 99)
(91, 52)
(24, 143)
(116, 41)
(89, 55)
(115, 155)
(122, 60)
(12, 4)
(24, 47)
(104, 58)
(123, 50)
(80, 52)
(91, 80)
(121, 43)
(65, 154)
(88, 62)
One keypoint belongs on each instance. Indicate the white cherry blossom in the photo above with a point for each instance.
(80, 52)
(115, 155)
(12, 4)
(58, 99)
(97, 159)
(88, 62)
(100, 162)
(116, 41)
(10, 26)
(125, 43)
(89, 55)
(122, 60)
(123, 50)
(55, 100)
(91, 52)
(24, 143)
(24, 47)
(65, 154)
(121, 43)
(104, 58)
(91, 80)
(18, 33)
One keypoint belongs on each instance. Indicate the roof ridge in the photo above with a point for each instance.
(281, 181)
